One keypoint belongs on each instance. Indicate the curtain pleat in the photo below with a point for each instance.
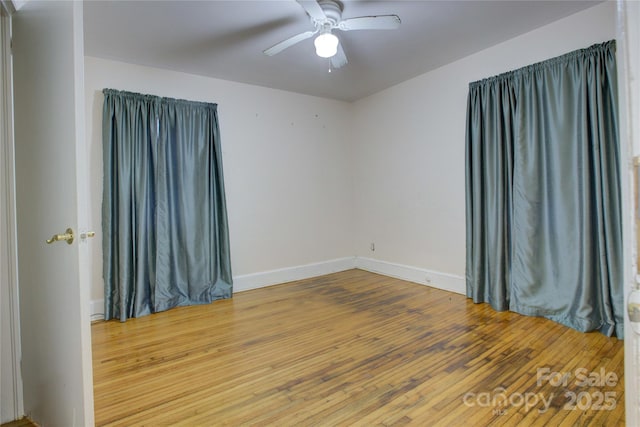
(165, 228)
(562, 255)
(489, 153)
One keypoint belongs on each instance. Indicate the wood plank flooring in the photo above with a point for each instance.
(24, 422)
(352, 348)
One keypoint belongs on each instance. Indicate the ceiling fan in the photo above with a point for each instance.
(326, 16)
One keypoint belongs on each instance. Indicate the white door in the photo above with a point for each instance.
(50, 197)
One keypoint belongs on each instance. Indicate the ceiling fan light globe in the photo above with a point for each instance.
(326, 45)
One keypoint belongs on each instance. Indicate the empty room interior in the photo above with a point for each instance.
(431, 226)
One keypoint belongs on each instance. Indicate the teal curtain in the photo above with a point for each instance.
(543, 201)
(165, 232)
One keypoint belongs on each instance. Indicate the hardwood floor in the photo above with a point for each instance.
(352, 348)
(25, 422)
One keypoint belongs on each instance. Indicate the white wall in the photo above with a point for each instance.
(409, 149)
(287, 168)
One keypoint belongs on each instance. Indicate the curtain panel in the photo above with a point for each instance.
(165, 231)
(543, 201)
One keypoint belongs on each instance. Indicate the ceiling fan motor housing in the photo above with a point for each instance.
(333, 11)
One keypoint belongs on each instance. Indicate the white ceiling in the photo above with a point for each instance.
(225, 39)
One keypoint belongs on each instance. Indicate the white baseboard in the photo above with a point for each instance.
(283, 275)
(96, 309)
(245, 282)
(435, 279)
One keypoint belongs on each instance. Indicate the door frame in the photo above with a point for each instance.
(628, 30)
(11, 343)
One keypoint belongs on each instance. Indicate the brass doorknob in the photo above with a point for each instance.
(66, 236)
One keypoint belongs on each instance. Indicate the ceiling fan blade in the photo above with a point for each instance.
(313, 9)
(288, 43)
(384, 22)
(339, 59)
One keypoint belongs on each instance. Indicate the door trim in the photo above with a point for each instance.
(8, 248)
(627, 20)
